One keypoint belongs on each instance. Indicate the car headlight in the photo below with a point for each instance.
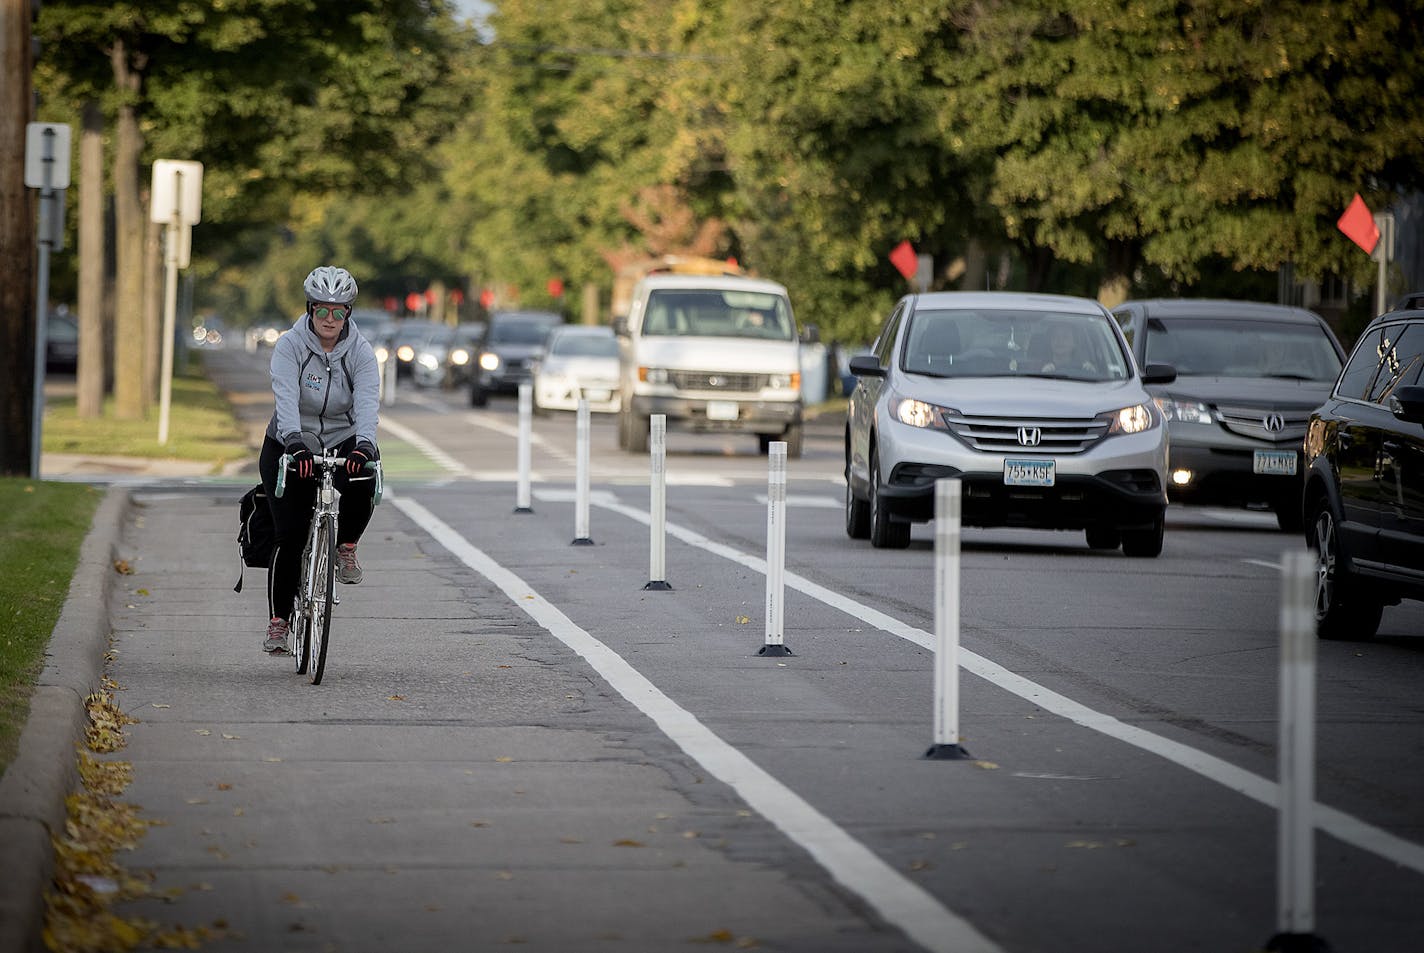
(459, 357)
(790, 381)
(917, 413)
(1187, 411)
(489, 361)
(653, 375)
(382, 353)
(405, 352)
(1134, 419)
(428, 361)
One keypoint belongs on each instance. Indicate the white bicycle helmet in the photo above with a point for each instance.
(331, 284)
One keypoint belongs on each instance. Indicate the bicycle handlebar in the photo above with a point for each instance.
(332, 461)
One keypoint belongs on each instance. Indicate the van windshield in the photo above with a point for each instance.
(719, 314)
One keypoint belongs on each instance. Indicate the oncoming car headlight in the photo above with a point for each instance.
(460, 357)
(917, 413)
(489, 361)
(1187, 411)
(428, 361)
(1134, 419)
(405, 352)
(382, 353)
(790, 381)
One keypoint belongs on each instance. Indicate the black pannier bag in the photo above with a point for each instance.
(255, 532)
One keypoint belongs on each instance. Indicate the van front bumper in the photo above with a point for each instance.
(690, 413)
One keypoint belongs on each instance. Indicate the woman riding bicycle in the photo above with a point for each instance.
(326, 382)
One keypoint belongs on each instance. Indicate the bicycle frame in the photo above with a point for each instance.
(311, 610)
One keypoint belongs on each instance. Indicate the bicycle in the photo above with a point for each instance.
(316, 589)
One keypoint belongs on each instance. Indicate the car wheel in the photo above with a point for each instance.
(1145, 542)
(857, 513)
(885, 533)
(764, 443)
(1103, 537)
(478, 396)
(793, 438)
(637, 433)
(1341, 612)
(1288, 516)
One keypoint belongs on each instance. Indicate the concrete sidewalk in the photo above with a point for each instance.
(460, 780)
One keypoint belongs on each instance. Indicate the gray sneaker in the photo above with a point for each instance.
(276, 641)
(348, 570)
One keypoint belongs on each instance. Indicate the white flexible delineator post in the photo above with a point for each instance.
(581, 537)
(1295, 831)
(522, 502)
(657, 503)
(948, 519)
(775, 643)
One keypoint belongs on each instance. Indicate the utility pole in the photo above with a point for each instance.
(17, 241)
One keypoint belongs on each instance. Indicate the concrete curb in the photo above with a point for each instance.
(43, 774)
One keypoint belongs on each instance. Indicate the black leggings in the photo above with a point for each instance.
(292, 513)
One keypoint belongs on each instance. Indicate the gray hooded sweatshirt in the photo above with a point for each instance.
(331, 395)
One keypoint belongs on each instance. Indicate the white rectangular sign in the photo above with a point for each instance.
(169, 177)
(46, 155)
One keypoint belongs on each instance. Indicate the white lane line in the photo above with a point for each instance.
(440, 457)
(1347, 828)
(900, 901)
(1272, 566)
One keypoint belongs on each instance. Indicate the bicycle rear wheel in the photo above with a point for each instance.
(301, 610)
(324, 580)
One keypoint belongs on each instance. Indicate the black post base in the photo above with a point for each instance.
(1297, 943)
(524, 509)
(659, 585)
(947, 753)
(774, 651)
(582, 541)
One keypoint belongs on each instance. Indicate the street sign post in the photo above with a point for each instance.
(46, 169)
(177, 202)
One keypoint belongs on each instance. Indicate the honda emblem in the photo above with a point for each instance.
(1029, 436)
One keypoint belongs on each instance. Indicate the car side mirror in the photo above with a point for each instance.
(810, 334)
(1159, 374)
(866, 365)
(620, 326)
(1407, 403)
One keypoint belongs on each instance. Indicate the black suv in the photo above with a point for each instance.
(1364, 485)
(511, 340)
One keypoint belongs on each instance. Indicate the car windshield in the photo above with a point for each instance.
(1226, 348)
(584, 345)
(699, 312)
(529, 329)
(973, 342)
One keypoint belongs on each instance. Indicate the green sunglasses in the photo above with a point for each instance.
(337, 311)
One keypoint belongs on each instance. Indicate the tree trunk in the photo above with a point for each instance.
(1116, 284)
(89, 376)
(17, 244)
(130, 394)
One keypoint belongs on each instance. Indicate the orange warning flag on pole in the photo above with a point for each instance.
(1359, 225)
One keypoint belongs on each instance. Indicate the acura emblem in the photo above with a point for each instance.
(1029, 436)
(1274, 423)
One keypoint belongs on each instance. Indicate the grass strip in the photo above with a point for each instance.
(42, 525)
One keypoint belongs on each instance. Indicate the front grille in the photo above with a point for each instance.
(1057, 436)
(720, 381)
(1250, 422)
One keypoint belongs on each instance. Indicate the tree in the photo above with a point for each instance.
(17, 244)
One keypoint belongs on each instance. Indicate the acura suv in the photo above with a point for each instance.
(1033, 401)
(1364, 483)
(1248, 376)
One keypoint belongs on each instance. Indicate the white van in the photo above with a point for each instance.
(714, 354)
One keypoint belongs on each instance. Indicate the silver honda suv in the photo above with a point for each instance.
(1033, 401)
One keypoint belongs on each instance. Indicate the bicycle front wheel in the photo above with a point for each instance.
(324, 580)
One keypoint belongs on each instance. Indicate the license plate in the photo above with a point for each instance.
(721, 410)
(1029, 472)
(1274, 462)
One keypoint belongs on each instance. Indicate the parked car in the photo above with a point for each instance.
(1248, 376)
(981, 386)
(408, 337)
(510, 342)
(580, 361)
(61, 342)
(1364, 483)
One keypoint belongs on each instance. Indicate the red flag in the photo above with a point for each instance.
(905, 260)
(1359, 225)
